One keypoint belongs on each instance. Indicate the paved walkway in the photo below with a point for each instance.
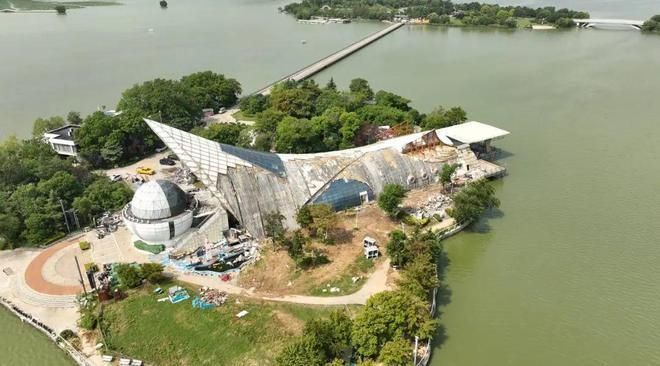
(377, 282)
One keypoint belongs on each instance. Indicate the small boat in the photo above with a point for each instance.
(303, 42)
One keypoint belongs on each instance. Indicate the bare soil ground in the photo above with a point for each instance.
(276, 275)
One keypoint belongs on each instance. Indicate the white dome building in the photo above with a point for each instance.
(159, 212)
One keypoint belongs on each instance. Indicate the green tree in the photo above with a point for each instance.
(303, 352)
(304, 217)
(211, 90)
(361, 87)
(565, 23)
(42, 125)
(74, 118)
(390, 199)
(333, 335)
(331, 84)
(94, 136)
(152, 272)
(294, 101)
(350, 126)
(651, 25)
(397, 352)
(268, 120)
(128, 275)
(396, 248)
(100, 196)
(253, 104)
(295, 136)
(472, 201)
(273, 226)
(387, 316)
(226, 133)
(447, 173)
(324, 219)
(392, 100)
(420, 276)
(169, 101)
(439, 118)
(62, 185)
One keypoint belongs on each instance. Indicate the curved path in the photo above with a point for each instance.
(377, 282)
(34, 273)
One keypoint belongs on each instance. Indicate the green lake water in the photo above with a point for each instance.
(22, 345)
(566, 273)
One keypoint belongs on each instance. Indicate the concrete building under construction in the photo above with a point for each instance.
(252, 184)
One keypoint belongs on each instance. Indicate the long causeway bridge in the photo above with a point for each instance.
(589, 23)
(319, 65)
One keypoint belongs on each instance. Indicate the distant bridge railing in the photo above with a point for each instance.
(588, 23)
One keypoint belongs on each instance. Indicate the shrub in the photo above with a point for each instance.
(91, 266)
(60, 9)
(68, 334)
(153, 272)
(128, 275)
(88, 321)
(84, 245)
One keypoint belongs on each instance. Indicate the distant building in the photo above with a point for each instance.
(62, 140)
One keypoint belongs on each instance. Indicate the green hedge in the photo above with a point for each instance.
(151, 248)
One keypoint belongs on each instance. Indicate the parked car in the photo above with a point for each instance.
(145, 170)
(167, 161)
(116, 178)
(222, 110)
(173, 157)
(161, 149)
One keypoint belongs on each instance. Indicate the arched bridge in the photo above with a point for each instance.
(588, 23)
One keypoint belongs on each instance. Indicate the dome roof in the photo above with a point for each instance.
(158, 199)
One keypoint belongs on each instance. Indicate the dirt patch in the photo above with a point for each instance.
(289, 322)
(275, 274)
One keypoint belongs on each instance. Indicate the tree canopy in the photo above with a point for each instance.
(390, 199)
(473, 200)
(34, 185)
(437, 12)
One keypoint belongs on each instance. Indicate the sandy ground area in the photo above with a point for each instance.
(18, 260)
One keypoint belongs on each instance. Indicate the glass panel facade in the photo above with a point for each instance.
(268, 161)
(345, 193)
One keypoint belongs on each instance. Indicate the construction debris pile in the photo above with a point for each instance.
(434, 206)
(209, 298)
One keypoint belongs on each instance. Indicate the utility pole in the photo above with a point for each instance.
(66, 220)
(415, 352)
(75, 217)
(82, 282)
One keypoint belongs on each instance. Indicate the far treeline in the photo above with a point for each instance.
(652, 25)
(436, 11)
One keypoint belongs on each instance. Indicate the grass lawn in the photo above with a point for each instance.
(165, 334)
(242, 116)
(360, 268)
